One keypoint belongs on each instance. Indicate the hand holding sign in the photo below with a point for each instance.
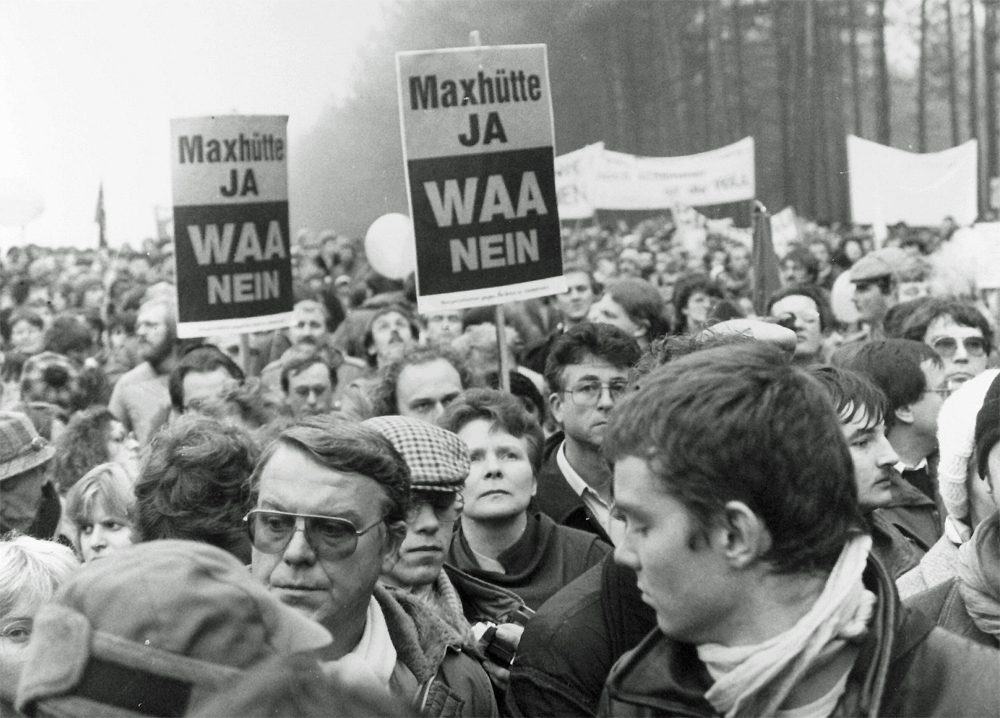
(389, 246)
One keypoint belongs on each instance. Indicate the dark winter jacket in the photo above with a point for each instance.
(906, 667)
(557, 500)
(568, 648)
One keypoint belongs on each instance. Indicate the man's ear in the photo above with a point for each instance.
(394, 535)
(740, 535)
(556, 406)
(904, 414)
(643, 329)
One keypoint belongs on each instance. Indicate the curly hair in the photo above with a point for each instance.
(194, 485)
(82, 446)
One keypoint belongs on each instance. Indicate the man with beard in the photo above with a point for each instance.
(140, 399)
(391, 333)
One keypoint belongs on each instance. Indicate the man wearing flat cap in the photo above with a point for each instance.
(24, 456)
(876, 277)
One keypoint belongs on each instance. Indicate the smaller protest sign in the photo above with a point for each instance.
(230, 195)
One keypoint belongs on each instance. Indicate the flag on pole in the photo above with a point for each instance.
(102, 240)
(767, 278)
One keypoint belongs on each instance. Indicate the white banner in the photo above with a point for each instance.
(890, 185)
(619, 181)
(574, 175)
(784, 231)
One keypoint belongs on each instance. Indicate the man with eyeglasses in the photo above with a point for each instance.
(587, 372)
(332, 499)
(912, 376)
(958, 332)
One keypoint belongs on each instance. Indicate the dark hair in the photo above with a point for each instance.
(124, 319)
(894, 366)
(896, 318)
(503, 411)
(683, 291)
(964, 314)
(603, 341)
(642, 302)
(82, 446)
(523, 388)
(811, 291)
(194, 484)
(674, 347)
(69, 335)
(852, 393)
(23, 314)
(345, 445)
(739, 423)
(383, 393)
(202, 358)
(803, 256)
(299, 364)
(369, 339)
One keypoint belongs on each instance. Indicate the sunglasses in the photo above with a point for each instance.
(946, 347)
(331, 538)
(446, 505)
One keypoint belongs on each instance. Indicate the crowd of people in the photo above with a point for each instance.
(681, 500)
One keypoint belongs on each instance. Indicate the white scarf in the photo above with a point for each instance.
(756, 680)
(375, 647)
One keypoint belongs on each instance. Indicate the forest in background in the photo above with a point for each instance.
(675, 77)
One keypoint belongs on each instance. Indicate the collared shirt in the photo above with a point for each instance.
(615, 528)
(901, 466)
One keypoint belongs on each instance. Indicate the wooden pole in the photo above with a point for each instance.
(499, 320)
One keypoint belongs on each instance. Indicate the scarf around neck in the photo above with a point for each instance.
(979, 575)
(756, 680)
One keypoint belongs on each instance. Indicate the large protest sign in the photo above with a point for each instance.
(230, 191)
(889, 185)
(616, 181)
(478, 140)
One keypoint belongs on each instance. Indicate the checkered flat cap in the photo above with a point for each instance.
(21, 448)
(438, 459)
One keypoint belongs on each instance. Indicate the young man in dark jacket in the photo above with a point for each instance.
(744, 530)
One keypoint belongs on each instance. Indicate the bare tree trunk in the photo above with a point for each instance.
(783, 78)
(855, 72)
(990, 76)
(883, 109)
(974, 105)
(706, 74)
(922, 82)
(952, 74)
(741, 94)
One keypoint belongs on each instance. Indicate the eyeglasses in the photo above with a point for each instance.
(947, 346)
(331, 538)
(446, 505)
(589, 393)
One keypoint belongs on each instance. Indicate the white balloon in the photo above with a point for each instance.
(390, 247)
(840, 298)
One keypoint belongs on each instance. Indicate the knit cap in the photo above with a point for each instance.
(956, 440)
(988, 426)
(438, 459)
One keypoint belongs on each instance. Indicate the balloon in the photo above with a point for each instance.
(840, 298)
(390, 247)
(18, 203)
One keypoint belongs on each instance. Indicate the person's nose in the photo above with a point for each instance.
(424, 520)
(625, 554)
(492, 466)
(605, 401)
(961, 355)
(299, 551)
(887, 456)
(98, 538)
(313, 398)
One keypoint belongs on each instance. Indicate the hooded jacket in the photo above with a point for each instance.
(906, 667)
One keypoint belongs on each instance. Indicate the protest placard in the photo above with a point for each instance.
(230, 195)
(478, 141)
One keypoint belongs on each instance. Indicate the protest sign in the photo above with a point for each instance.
(574, 176)
(478, 141)
(889, 185)
(231, 242)
(784, 231)
(615, 181)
